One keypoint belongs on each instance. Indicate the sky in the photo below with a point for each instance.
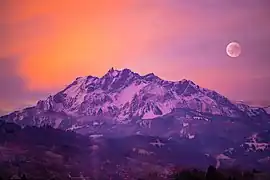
(45, 45)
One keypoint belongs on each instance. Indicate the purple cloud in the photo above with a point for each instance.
(13, 88)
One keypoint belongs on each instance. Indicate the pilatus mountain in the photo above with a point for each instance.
(155, 117)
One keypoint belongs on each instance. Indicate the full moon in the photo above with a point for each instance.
(233, 49)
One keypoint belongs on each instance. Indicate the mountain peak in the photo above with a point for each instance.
(112, 72)
(150, 75)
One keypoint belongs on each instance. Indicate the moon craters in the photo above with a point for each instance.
(233, 49)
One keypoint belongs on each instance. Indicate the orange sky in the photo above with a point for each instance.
(56, 42)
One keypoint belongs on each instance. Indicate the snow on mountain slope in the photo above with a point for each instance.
(267, 109)
(123, 95)
(251, 111)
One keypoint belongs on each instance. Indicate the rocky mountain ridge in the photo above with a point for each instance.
(122, 95)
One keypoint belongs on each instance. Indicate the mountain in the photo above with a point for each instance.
(125, 95)
(267, 109)
(123, 103)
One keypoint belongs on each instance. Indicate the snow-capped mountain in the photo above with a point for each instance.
(122, 95)
(124, 103)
